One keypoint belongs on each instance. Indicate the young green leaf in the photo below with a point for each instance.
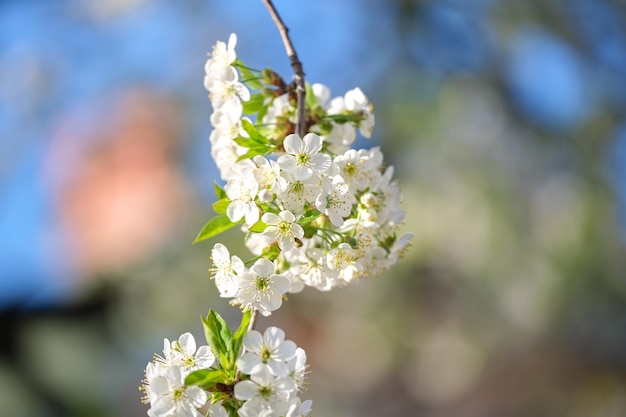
(271, 252)
(308, 217)
(205, 378)
(255, 104)
(237, 340)
(254, 134)
(258, 227)
(310, 98)
(215, 226)
(219, 191)
(220, 206)
(219, 337)
(248, 77)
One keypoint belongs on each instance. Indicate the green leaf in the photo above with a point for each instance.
(250, 144)
(311, 99)
(248, 77)
(251, 154)
(255, 104)
(271, 252)
(258, 227)
(220, 206)
(308, 217)
(219, 191)
(237, 340)
(205, 378)
(215, 226)
(254, 134)
(219, 337)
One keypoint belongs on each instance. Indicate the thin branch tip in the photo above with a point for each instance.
(296, 65)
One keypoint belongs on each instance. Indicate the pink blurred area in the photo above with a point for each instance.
(119, 190)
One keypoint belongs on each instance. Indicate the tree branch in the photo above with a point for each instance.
(295, 64)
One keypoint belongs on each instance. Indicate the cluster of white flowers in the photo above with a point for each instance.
(332, 211)
(164, 383)
(271, 374)
(277, 369)
(315, 213)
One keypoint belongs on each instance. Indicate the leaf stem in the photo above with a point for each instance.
(253, 319)
(295, 64)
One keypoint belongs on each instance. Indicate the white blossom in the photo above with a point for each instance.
(270, 349)
(282, 228)
(225, 270)
(241, 191)
(265, 390)
(171, 398)
(303, 157)
(335, 199)
(262, 289)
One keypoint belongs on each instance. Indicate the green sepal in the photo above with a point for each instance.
(219, 338)
(220, 206)
(219, 191)
(255, 104)
(258, 227)
(206, 379)
(215, 226)
(237, 340)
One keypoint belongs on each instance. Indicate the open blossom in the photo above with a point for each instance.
(270, 349)
(335, 200)
(265, 391)
(282, 228)
(261, 288)
(227, 93)
(222, 57)
(241, 191)
(225, 270)
(303, 157)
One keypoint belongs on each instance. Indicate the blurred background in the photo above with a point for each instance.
(505, 121)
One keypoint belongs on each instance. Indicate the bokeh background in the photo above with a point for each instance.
(505, 121)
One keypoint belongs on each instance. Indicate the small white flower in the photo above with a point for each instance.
(282, 227)
(227, 93)
(153, 369)
(298, 193)
(182, 353)
(265, 388)
(172, 398)
(310, 266)
(225, 270)
(303, 158)
(267, 174)
(261, 288)
(335, 200)
(356, 168)
(242, 190)
(356, 101)
(271, 350)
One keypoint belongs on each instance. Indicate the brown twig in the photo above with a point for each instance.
(295, 64)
